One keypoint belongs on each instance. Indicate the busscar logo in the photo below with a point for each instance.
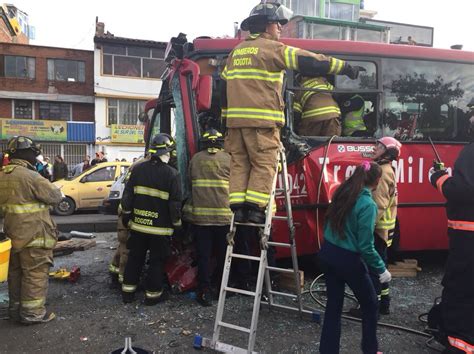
(355, 148)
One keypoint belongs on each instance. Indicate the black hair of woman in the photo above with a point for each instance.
(367, 175)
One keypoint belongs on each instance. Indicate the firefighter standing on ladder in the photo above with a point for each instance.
(25, 197)
(151, 208)
(455, 315)
(254, 114)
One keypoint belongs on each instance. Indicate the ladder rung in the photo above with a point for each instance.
(279, 190)
(278, 217)
(249, 224)
(281, 270)
(229, 348)
(239, 291)
(243, 256)
(232, 326)
(283, 294)
(279, 244)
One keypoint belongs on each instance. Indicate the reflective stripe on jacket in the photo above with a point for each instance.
(254, 73)
(153, 196)
(385, 196)
(316, 106)
(25, 197)
(458, 190)
(209, 173)
(354, 120)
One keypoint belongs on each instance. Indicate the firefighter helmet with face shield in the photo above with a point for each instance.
(267, 13)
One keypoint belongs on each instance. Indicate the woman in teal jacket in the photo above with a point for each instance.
(347, 251)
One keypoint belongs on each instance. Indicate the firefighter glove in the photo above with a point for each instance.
(352, 72)
(385, 277)
(436, 175)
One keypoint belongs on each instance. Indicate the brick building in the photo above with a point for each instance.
(47, 94)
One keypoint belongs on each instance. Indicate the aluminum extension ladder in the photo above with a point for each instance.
(263, 272)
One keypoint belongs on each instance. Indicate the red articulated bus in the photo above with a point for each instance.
(411, 93)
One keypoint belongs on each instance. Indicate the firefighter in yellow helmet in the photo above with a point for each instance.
(209, 171)
(25, 197)
(254, 109)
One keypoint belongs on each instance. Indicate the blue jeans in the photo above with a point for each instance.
(343, 267)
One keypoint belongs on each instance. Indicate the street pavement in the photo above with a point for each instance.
(86, 222)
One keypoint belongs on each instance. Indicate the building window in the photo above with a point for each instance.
(124, 112)
(66, 70)
(55, 111)
(19, 67)
(339, 11)
(133, 61)
(23, 109)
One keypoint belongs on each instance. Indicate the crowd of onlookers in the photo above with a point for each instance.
(60, 170)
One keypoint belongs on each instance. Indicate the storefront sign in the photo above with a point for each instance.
(127, 133)
(42, 130)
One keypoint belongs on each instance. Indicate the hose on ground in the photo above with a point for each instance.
(313, 295)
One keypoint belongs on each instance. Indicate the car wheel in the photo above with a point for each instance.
(65, 207)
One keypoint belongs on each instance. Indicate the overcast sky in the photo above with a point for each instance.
(71, 24)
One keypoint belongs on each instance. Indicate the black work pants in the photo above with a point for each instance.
(457, 304)
(139, 244)
(209, 238)
(343, 267)
(381, 289)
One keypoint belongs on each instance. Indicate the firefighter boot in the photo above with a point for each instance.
(384, 305)
(48, 317)
(204, 297)
(127, 297)
(114, 281)
(151, 299)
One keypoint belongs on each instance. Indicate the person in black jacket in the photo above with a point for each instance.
(151, 208)
(60, 170)
(454, 316)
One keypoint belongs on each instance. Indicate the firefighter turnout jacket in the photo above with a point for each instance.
(209, 171)
(313, 105)
(152, 197)
(25, 197)
(457, 304)
(254, 74)
(386, 198)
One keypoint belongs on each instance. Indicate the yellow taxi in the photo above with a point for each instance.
(87, 190)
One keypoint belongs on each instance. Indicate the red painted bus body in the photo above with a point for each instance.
(421, 208)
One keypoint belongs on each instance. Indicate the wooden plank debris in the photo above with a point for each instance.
(287, 281)
(69, 246)
(405, 268)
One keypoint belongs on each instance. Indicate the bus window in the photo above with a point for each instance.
(358, 103)
(367, 79)
(426, 99)
(180, 134)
